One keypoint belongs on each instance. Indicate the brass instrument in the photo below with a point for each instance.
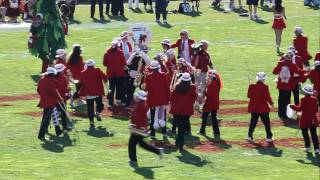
(140, 75)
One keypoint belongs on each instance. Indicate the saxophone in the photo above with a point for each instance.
(138, 80)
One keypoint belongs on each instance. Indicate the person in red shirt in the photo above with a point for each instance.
(49, 98)
(300, 43)
(91, 83)
(139, 129)
(182, 99)
(285, 70)
(260, 100)
(211, 105)
(157, 86)
(64, 94)
(308, 120)
(116, 64)
(184, 46)
(61, 57)
(314, 77)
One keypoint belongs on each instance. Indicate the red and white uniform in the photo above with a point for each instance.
(300, 43)
(184, 48)
(182, 104)
(259, 96)
(76, 68)
(115, 63)
(212, 95)
(309, 109)
(278, 21)
(61, 61)
(63, 86)
(47, 89)
(156, 84)
(139, 115)
(91, 81)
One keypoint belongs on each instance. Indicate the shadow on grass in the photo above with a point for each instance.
(118, 18)
(102, 20)
(74, 21)
(57, 144)
(192, 159)
(218, 8)
(266, 8)
(240, 11)
(291, 123)
(191, 141)
(193, 14)
(271, 150)
(146, 172)
(261, 21)
(219, 142)
(99, 132)
(314, 160)
(165, 25)
(35, 78)
(137, 10)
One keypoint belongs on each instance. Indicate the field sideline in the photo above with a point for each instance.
(239, 47)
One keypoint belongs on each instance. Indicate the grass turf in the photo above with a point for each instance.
(238, 47)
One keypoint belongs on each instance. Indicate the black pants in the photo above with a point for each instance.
(62, 109)
(46, 117)
(296, 93)
(159, 12)
(163, 129)
(90, 107)
(314, 137)
(283, 101)
(116, 85)
(265, 120)
(93, 7)
(161, 8)
(175, 124)
(137, 139)
(117, 7)
(182, 122)
(214, 120)
(130, 91)
(108, 2)
(146, 2)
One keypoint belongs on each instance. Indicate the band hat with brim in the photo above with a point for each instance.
(77, 46)
(155, 65)
(184, 32)
(50, 70)
(114, 43)
(298, 30)
(287, 57)
(186, 77)
(292, 49)
(90, 63)
(124, 34)
(308, 89)
(142, 95)
(59, 67)
(60, 53)
(166, 41)
(40, 15)
(261, 76)
(212, 73)
(204, 42)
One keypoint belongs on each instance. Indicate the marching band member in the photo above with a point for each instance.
(91, 82)
(61, 57)
(139, 129)
(285, 70)
(212, 101)
(64, 91)
(157, 86)
(308, 120)
(125, 45)
(161, 58)
(136, 65)
(182, 99)
(184, 46)
(166, 46)
(115, 63)
(314, 76)
(49, 97)
(317, 56)
(260, 100)
(300, 43)
(278, 22)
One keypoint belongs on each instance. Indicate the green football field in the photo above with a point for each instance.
(239, 48)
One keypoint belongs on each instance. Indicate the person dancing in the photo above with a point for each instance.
(278, 22)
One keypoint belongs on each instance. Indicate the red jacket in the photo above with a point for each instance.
(139, 115)
(61, 61)
(212, 96)
(314, 76)
(47, 89)
(115, 63)
(91, 82)
(203, 62)
(76, 68)
(182, 104)
(179, 43)
(259, 98)
(309, 109)
(282, 85)
(171, 67)
(300, 43)
(63, 86)
(158, 89)
(317, 57)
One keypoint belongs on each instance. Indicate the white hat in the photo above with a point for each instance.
(40, 14)
(181, 61)
(185, 77)
(90, 62)
(298, 30)
(59, 67)
(308, 89)
(184, 31)
(166, 41)
(155, 65)
(316, 63)
(124, 34)
(204, 42)
(142, 95)
(114, 43)
(60, 53)
(261, 76)
(292, 49)
(212, 73)
(50, 70)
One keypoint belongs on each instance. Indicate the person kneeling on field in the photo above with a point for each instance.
(260, 100)
(139, 129)
(308, 120)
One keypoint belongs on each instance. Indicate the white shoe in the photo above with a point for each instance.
(317, 151)
(161, 150)
(250, 139)
(307, 149)
(269, 140)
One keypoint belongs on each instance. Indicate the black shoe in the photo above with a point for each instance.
(58, 130)
(41, 138)
(133, 163)
(202, 132)
(98, 116)
(92, 125)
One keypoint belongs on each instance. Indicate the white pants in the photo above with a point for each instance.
(136, 2)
